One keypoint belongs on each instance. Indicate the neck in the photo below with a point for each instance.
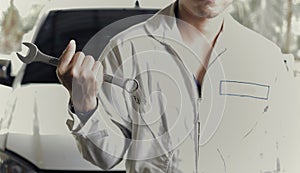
(209, 27)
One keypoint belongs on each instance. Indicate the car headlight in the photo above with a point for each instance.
(9, 163)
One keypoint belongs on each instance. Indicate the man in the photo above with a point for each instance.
(157, 128)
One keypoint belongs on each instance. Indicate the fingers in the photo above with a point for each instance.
(76, 65)
(79, 75)
(76, 61)
(97, 70)
(97, 67)
(67, 55)
(85, 84)
(88, 62)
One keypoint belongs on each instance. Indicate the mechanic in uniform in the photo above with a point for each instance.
(205, 90)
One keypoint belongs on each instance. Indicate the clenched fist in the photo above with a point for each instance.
(82, 76)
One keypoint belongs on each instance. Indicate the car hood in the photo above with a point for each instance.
(37, 129)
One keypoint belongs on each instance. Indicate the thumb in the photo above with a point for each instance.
(67, 54)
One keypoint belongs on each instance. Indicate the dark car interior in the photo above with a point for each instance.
(61, 26)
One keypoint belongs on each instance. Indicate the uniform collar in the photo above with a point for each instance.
(163, 27)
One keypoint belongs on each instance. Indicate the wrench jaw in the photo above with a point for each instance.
(31, 55)
(25, 60)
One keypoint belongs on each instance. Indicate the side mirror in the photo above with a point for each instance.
(5, 72)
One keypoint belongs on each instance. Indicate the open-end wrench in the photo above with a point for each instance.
(35, 55)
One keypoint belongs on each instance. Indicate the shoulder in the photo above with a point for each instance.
(124, 37)
(121, 44)
(254, 48)
(150, 26)
(249, 39)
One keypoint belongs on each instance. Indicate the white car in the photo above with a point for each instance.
(33, 134)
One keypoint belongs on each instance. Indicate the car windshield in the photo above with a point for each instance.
(61, 26)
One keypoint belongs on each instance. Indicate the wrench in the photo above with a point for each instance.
(35, 55)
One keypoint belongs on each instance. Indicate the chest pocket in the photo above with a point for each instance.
(244, 89)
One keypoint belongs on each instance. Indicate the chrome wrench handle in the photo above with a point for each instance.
(36, 55)
(130, 85)
(41, 57)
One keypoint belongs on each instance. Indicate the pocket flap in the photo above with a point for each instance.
(244, 89)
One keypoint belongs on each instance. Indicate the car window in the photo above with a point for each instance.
(61, 26)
